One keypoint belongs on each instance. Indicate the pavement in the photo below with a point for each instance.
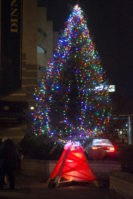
(32, 188)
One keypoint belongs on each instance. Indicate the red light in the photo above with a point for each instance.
(112, 149)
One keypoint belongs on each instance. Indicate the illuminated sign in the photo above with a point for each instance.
(109, 88)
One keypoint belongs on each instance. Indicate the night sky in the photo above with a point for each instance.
(110, 24)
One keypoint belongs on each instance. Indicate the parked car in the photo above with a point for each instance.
(100, 148)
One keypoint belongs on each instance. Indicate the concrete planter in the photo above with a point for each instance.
(40, 169)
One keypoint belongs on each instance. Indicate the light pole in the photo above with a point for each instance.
(129, 130)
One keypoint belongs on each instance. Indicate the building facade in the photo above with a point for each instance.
(26, 45)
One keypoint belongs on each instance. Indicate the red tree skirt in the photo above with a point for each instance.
(73, 165)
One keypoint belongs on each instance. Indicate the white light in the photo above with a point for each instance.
(71, 144)
(109, 88)
(32, 108)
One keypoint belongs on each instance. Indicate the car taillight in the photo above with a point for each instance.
(94, 148)
(111, 149)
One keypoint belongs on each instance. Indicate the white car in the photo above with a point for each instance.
(99, 148)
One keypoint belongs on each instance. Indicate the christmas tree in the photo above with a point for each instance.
(72, 101)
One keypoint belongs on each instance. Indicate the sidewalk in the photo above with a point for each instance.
(31, 188)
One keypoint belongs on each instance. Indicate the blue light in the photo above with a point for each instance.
(57, 87)
(85, 107)
(57, 70)
(50, 69)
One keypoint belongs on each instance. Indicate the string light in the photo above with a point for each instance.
(74, 44)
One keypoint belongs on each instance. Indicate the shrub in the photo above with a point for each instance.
(40, 147)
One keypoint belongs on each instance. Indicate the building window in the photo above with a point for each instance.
(41, 50)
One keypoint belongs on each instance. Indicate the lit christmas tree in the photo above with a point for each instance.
(72, 101)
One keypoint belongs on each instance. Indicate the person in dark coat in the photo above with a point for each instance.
(1, 164)
(10, 162)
